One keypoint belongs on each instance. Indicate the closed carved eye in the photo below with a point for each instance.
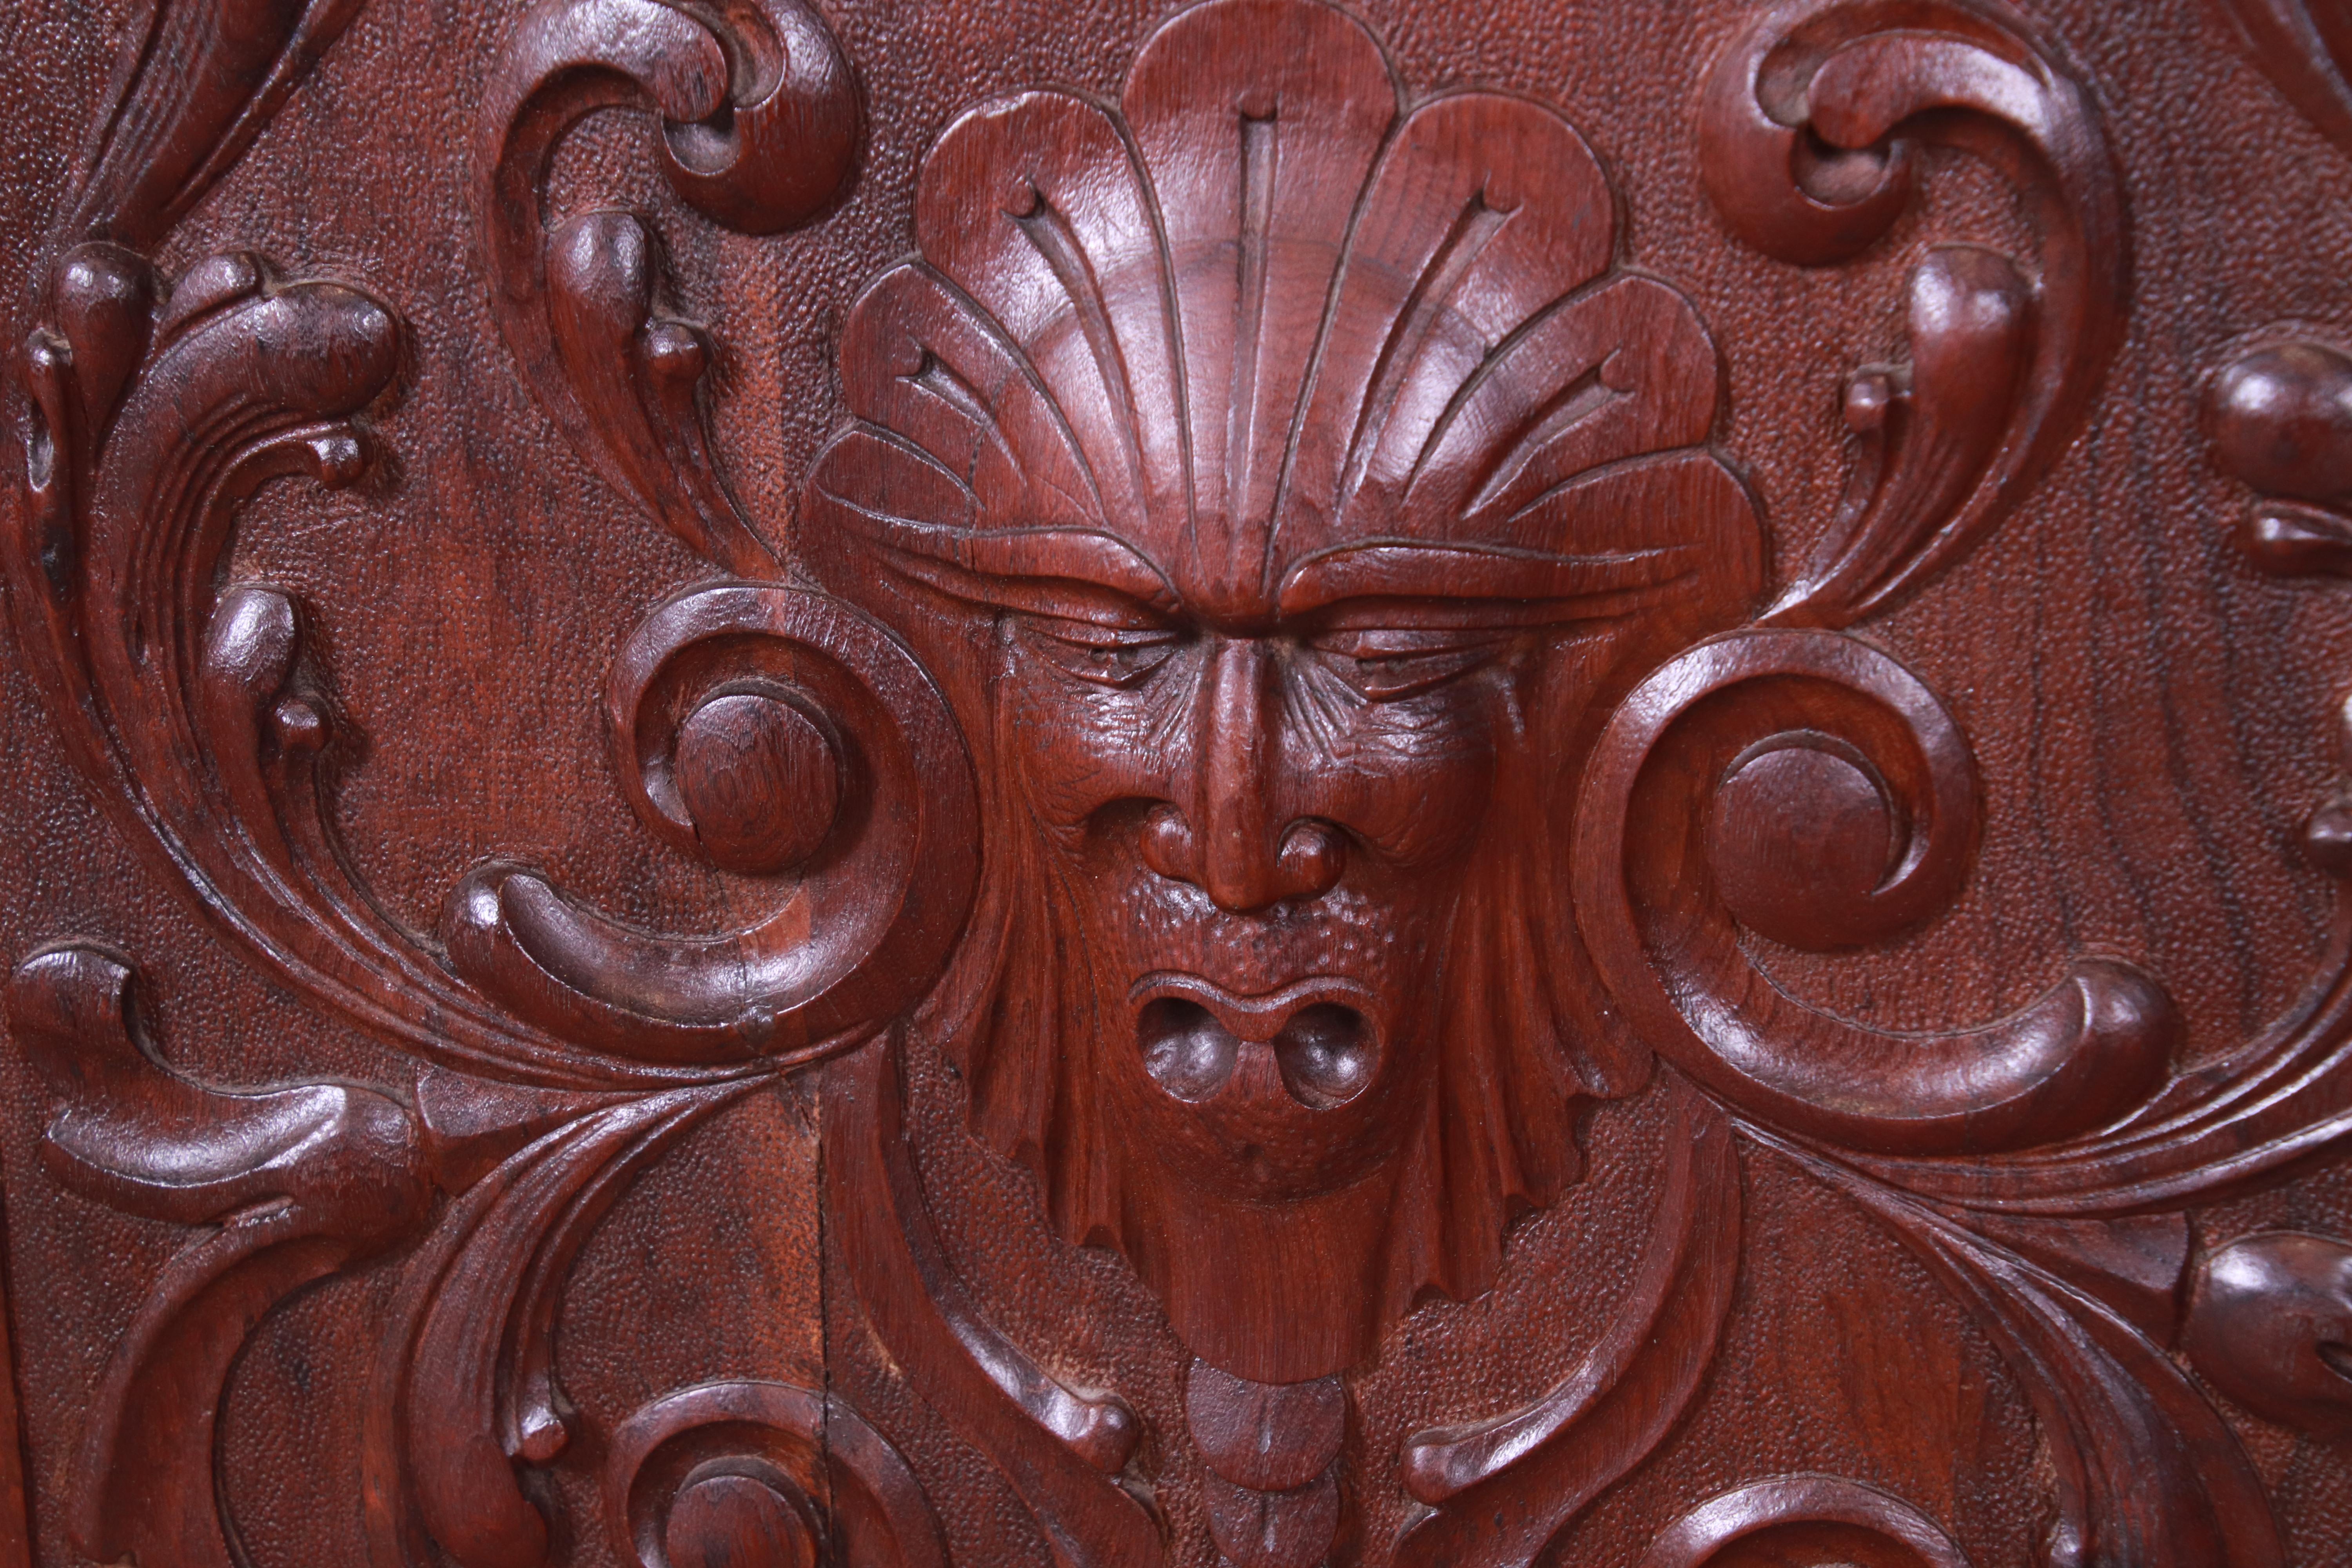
(1119, 656)
(1387, 663)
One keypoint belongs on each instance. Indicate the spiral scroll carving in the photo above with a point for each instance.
(1724, 760)
(754, 724)
(1300, 747)
(764, 1475)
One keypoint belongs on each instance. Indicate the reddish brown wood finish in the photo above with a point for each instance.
(1258, 783)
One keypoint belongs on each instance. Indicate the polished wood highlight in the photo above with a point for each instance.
(1253, 784)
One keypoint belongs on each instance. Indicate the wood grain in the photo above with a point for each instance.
(1262, 783)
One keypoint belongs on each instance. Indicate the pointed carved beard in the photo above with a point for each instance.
(1505, 1058)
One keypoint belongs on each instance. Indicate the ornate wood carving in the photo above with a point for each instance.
(1805, 1515)
(2302, 45)
(1244, 918)
(764, 1472)
(290, 1184)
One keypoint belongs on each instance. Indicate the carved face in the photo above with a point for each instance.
(1280, 488)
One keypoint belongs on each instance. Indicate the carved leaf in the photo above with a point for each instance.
(1808, 146)
(762, 146)
(198, 81)
(2266, 1110)
(199, 704)
(293, 1184)
(465, 1383)
(2303, 46)
(2279, 415)
(2147, 1473)
(2270, 1324)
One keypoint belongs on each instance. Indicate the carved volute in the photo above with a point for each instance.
(1249, 783)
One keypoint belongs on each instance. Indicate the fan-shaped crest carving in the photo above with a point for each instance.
(1261, 315)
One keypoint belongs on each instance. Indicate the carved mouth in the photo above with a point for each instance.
(1194, 1036)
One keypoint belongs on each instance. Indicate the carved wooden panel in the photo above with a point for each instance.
(1420, 784)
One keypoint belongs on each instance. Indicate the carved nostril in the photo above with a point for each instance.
(1168, 846)
(1325, 1056)
(1311, 859)
(1308, 864)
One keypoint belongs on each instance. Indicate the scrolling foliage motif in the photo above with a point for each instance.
(2039, 1165)
(1312, 468)
(1095, 482)
(767, 731)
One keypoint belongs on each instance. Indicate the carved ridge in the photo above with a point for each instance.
(1782, 1505)
(1504, 1487)
(2147, 1472)
(291, 1185)
(465, 1386)
(761, 151)
(198, 81)
(980, 1380)
(1807, 142)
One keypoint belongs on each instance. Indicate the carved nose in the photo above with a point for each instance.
(1228, 839)
(1306, 865)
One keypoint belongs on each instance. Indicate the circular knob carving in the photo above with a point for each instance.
(1802, 834)
(760, 778)
(734, 1520)
(2281, 419)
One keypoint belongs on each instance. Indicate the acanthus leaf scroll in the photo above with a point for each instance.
(285, 1186)
(150, 410)
(1078, 478)
(1314, 474)
(1810, 134)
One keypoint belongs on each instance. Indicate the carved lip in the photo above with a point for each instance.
(1195, 1037)
(1257, 1015)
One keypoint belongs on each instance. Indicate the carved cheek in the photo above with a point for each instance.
(1411, 777)
(1076, 747)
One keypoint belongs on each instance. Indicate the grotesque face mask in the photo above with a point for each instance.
(1282, 487)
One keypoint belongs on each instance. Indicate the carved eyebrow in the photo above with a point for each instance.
(1575, 587)
(1048, 571)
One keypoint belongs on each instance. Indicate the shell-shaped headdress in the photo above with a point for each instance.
(1256, 314)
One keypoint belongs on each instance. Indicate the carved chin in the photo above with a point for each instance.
(1319, 1149)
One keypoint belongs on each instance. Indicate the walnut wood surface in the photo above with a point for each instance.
(902, 783)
